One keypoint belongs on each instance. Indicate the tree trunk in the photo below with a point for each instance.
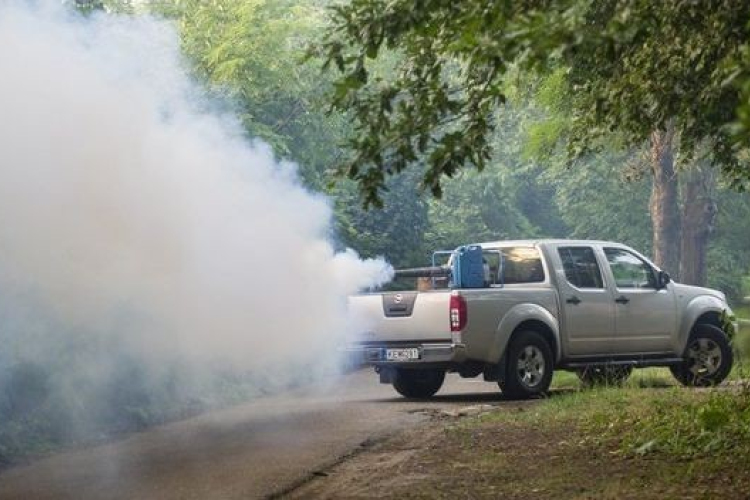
(663, 206)
(698, 219)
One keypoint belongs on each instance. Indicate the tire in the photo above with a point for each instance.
(418, 384)
(607, 375)
(528, 368)
(708, 358)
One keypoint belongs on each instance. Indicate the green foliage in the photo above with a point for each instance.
(728, 257)
(436, 108)
(741, 369)
(86, 7)
(509, 199)
(45, 407)
(397, 230)
(477, 206)
(644, 66)
(635, 66)
(250, 53)
(597, 201)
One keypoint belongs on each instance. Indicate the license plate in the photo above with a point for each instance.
(401, 354)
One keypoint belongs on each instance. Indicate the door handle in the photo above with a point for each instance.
(622, 299)
(573, 300)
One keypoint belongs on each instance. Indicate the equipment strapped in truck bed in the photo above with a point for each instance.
(465, 268)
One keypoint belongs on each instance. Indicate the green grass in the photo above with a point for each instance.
(686, 425)
(612, 442)
(646, 377)
(649, 415)
(742, 311)
(650, 438)
(741, 369)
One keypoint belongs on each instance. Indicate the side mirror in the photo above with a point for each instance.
(662, 280)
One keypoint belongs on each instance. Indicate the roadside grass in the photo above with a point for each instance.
(742, 311)
(611, 442)
(649, 438)
(564, 381)
(741, 368)
(631, 442)
(625, 442)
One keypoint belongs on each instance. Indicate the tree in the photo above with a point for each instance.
(397, 230)
(660, 74)
(654, 72)
(436, 107)
(684, 53)
(250, 53)
(509, 199)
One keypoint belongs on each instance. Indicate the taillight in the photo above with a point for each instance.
(457, 312)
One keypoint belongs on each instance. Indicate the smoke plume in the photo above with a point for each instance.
(139, 230)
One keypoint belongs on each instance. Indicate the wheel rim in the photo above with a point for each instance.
(530, 367)
(704, 358)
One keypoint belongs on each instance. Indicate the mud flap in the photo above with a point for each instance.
(387, 374)
(495, 373)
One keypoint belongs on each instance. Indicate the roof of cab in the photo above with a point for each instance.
(530, 243)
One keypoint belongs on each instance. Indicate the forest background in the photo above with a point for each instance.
(662, 197)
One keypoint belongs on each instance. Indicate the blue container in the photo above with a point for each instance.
(468, 267)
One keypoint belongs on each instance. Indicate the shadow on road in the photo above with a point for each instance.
(470, 397)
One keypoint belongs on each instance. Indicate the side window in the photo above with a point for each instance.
(522, 265)
(581, 268)
(629, 271)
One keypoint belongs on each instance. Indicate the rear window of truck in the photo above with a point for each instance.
(520, 265)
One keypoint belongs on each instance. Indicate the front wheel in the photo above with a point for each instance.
(708, 358)
(418, 384)
(528, 370)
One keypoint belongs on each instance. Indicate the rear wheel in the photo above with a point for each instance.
(418, 383)
(708, 358)
(528, 370)
(604, 375)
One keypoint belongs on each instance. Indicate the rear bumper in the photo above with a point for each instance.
(444, 352)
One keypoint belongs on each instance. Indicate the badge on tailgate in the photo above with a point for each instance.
(398, 304)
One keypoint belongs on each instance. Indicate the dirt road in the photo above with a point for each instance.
(256, 450)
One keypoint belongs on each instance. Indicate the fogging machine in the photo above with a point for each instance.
(466, 268)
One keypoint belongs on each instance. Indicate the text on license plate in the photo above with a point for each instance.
(401, 354)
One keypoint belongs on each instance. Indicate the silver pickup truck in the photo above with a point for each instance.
(530, 307)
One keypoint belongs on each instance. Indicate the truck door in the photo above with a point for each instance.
(645, 317)
(587, 304)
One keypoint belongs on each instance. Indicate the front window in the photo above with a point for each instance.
(629, 270)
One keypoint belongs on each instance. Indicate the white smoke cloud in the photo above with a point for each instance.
(130, 216)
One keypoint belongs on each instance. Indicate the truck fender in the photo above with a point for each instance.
(696, 308)
(515, 316)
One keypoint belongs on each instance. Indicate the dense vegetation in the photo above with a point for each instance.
(252, 53)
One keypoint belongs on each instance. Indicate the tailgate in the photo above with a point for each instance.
(402, 316)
